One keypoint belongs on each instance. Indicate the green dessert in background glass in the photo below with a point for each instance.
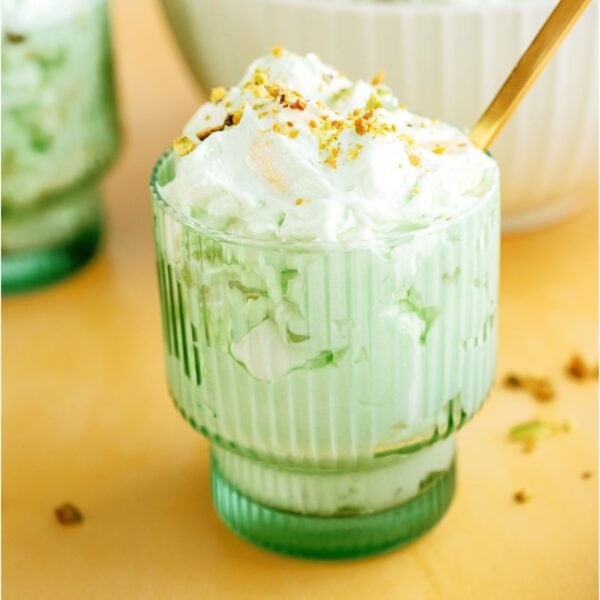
(59, 134)
(328, 265)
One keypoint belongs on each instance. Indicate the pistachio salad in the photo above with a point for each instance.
(328, 265)
(59, 134)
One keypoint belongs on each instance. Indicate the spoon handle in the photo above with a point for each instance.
(527, 70)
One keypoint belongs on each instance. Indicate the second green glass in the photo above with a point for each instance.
(59, 133)
(329, 377)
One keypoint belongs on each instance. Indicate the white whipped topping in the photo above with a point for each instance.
(20, 16)
(310, 155)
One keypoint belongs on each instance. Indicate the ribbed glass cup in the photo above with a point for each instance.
(59, 134)
(329, 377)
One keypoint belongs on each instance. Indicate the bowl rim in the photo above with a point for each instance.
(402, 7)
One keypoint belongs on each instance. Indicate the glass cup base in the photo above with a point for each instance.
(40, 247)
(331, 537)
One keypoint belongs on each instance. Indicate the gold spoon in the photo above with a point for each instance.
(531, 64)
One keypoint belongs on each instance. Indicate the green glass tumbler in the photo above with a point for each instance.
(59, 135)
(329, 377)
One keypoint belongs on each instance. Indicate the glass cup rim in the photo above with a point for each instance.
(313, 245)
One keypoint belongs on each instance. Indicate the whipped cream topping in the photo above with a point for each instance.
(298, 152)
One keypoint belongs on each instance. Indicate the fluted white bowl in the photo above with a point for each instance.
(444, 60)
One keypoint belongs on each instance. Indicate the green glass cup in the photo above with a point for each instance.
(59, 135)
(329, 377)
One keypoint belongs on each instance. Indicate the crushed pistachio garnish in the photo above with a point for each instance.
(68, 514)
(298, 104)
(577, 367)
(373, 102)
(540, 388)
(538, 385)
(521, 497)
(277, 51)
(340, 94)
(354, 152)
(378, 77)
(259, 77)
(236, 116)
(331, 160)
(513, 380)
(530, 433)
(204, 133)
(439, 149)
(415, 161)
(183, 145)
(360, 126)
(217, 94)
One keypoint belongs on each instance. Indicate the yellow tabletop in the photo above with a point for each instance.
(87, 419)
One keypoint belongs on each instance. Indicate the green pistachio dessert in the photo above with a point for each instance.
(328, 267)
(58, 134)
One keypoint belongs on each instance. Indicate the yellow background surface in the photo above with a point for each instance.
(87, 419)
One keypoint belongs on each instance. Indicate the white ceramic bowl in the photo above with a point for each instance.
(445, 60)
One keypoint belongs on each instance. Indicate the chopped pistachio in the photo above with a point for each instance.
(532, 432)
(373, 102)
(184, 145)
(331, 160)
(513, 380)
(259, 77)
(577, 367)
(360, 126)
(404, 137)
(521, 497)
(237, 116)
(538, 385)
(273, 89)
(68, 514)
(378, 77)
(217, 94)
(540, 388)
(204, 133)
(354, 152)
(298, 104)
